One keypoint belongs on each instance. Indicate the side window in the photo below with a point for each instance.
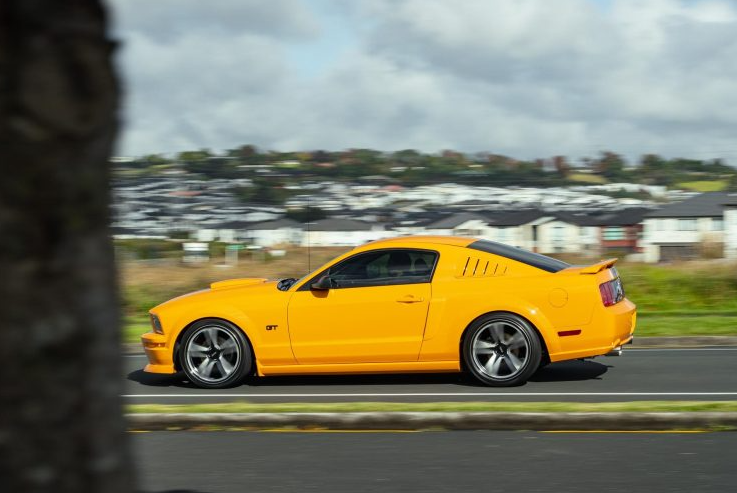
(383, 267)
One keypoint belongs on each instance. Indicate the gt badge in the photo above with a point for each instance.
(271, 327)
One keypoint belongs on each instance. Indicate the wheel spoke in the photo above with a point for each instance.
(212, 336)
(513, 362)
(516, 341)
(483, 347)
(497, 332)
(205, 368)
(490, 363)
(493, 365)
(229, 346)
(197, 350)
(220, 368)
(224, 366)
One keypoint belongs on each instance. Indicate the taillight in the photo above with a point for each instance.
(612, 292)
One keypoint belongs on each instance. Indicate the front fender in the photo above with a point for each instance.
(270, 346)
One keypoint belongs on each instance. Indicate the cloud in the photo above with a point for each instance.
(166, 20)
(527, 78)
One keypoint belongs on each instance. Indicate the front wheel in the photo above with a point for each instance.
(215, 354)
(502, 350)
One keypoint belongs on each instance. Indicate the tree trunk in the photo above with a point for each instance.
(61, 428)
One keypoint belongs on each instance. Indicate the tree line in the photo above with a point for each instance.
(410, 167)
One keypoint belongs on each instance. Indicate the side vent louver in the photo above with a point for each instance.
(479, 267)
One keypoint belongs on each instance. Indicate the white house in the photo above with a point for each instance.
(517, 228)
(280, 232)
(567, 235)
(531, 229)
(461, 224)
(227, 232)
(680, 230)
(342, 232)
(730, 227)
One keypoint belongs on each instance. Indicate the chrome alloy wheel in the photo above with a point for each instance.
(212, 353)
(500, 349)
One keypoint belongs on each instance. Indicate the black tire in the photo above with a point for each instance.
(501, 349)
(215, 354)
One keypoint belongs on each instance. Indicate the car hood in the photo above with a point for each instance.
(238, 283)
(245, 286)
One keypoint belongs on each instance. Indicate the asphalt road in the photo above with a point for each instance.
(640, 374)
(213, 462)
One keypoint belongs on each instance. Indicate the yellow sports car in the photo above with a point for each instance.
(411, 304)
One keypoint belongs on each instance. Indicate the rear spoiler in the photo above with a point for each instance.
(598, 267)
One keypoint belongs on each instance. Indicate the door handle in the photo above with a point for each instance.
(410, 299)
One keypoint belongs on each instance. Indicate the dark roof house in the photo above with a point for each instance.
(709, 204)
(275, 224)
(339, 224)
(515, 218)
(456, 220)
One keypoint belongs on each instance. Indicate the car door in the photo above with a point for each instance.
(374, 311)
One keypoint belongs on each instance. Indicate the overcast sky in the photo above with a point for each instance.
(525, 78)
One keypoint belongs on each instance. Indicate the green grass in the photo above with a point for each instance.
(344, 407)
(587, 178)
(685, 325)
(704, 186)
(133, 327)
(688, 288)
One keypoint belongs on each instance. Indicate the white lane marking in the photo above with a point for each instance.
(445, 394)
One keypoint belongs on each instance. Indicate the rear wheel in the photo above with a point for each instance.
(215, 354)
(502, 350)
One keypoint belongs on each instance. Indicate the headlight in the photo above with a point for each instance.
(156, 324)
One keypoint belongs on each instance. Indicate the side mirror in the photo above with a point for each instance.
(322, 284)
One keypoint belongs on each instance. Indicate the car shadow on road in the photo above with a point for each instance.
(570, 371)
(158, 380)
(175, 491)
(567, 371)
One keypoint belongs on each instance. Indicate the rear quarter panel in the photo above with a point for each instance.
(550, 301)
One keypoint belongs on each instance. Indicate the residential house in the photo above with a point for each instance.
(227, 232)
(621, 231)
(516, 228)
(341, 232)
(279, 232)
(683, 229)
(567, 233)
(531, 229)
(460, 224)
(730, 226)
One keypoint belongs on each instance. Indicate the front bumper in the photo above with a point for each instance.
(158, 353)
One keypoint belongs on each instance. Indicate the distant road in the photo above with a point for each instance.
(434, 462)
(640, 374)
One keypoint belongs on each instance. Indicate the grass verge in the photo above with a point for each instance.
(134, 327)
(528, 407)
(686, 325)
(704, 185)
